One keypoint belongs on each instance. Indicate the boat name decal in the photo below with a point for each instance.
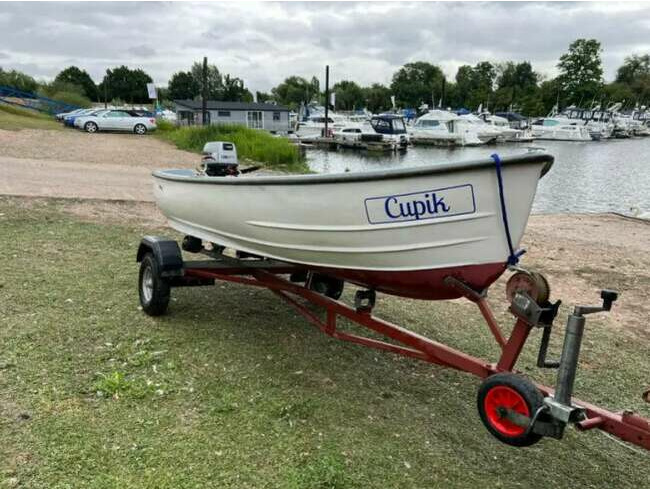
(434, 203)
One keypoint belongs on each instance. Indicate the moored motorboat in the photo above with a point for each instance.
(443, 128)
(400, 231)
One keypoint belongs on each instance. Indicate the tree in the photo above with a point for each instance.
(633, 68)
(517, 87)
(80, 78)
(634, 75)
(18, 80)
(377, 97)
(295, 91)
(214, 80)
(417, 83)
(475, 85)
(263, 97)
(125, 84)
(581, 71)
(349, 95)
(183, 86)
(233, 90)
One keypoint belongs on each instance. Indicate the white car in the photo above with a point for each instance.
(115, 120)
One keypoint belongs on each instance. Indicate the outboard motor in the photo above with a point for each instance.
(220, 159)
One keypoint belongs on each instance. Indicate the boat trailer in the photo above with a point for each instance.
(515, 410)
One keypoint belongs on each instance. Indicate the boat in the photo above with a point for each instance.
(596, 121)
(443, 128)
(382, 132)
(507, 134)
(314, 125)
(559, 129)
(400, 231)
(485, 132)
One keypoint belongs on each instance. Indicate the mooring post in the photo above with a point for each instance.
(327, 97)
(204, 92)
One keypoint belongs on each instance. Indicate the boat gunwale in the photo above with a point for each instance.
(376, 175)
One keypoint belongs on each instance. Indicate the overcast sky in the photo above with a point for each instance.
(265, 42)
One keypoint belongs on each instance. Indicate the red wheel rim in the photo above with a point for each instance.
(505, 397)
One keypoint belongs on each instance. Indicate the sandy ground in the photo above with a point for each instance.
(88, 166)
(108, 178)
(101, 148)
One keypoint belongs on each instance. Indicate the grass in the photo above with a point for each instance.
(256, 145)
(232, 389)
(14, 118)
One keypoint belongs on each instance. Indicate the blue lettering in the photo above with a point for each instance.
(438, 202)
(388, 209)
(416, 208)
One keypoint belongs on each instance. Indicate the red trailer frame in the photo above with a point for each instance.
(265, 273)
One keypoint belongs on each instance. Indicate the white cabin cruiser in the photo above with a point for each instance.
(388, 130)
(508, 134)
(314, 126)
(485, 132)
(443, 128)
(597, 122)
(559, 129)
(401, 231)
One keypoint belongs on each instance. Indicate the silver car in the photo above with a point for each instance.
(115, 120)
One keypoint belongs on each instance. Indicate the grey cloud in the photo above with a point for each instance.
(142, 50)
(265, 42)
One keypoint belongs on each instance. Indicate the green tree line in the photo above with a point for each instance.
(494, 86)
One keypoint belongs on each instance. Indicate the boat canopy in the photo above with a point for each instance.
(388, 124)
(511, 116)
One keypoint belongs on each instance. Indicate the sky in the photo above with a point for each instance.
(263, 43)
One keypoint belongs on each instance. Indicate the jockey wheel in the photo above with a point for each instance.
(503, 397)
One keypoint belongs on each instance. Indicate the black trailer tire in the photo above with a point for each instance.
(154, 290)
(326, 285)
(516, 393)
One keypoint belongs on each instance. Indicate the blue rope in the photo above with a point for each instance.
(513, 258)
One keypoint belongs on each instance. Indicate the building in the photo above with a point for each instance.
(272, 118)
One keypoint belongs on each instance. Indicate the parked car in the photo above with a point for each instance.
(115, 120)
(61, 115)
(70, 119)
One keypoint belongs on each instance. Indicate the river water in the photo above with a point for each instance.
(587, 177)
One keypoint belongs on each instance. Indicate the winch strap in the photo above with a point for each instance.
(513, 258)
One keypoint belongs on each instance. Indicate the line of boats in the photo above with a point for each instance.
(449, 128)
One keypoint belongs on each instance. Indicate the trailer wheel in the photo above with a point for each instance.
(325, 285)
(154, 290)
(507, 391)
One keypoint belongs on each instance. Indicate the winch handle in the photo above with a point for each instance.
(608, 296)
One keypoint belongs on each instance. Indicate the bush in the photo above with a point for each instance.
(68, 93)
(71, 99)
(253, 144)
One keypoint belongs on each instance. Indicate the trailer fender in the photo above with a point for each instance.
(166, 252)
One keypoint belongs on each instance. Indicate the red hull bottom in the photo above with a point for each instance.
(424, 284)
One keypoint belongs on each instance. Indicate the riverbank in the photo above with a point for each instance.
(233, 389)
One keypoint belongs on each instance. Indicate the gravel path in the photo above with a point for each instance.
(74, 164)
(53, 178)
(101, 148)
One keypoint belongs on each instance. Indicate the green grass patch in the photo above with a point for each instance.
(233, 389)
(15, 118)
(252, 144)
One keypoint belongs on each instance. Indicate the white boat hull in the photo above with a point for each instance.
(442, 217)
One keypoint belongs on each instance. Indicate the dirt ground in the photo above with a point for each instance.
(73, 164)
(107, 178)
(101, 148)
